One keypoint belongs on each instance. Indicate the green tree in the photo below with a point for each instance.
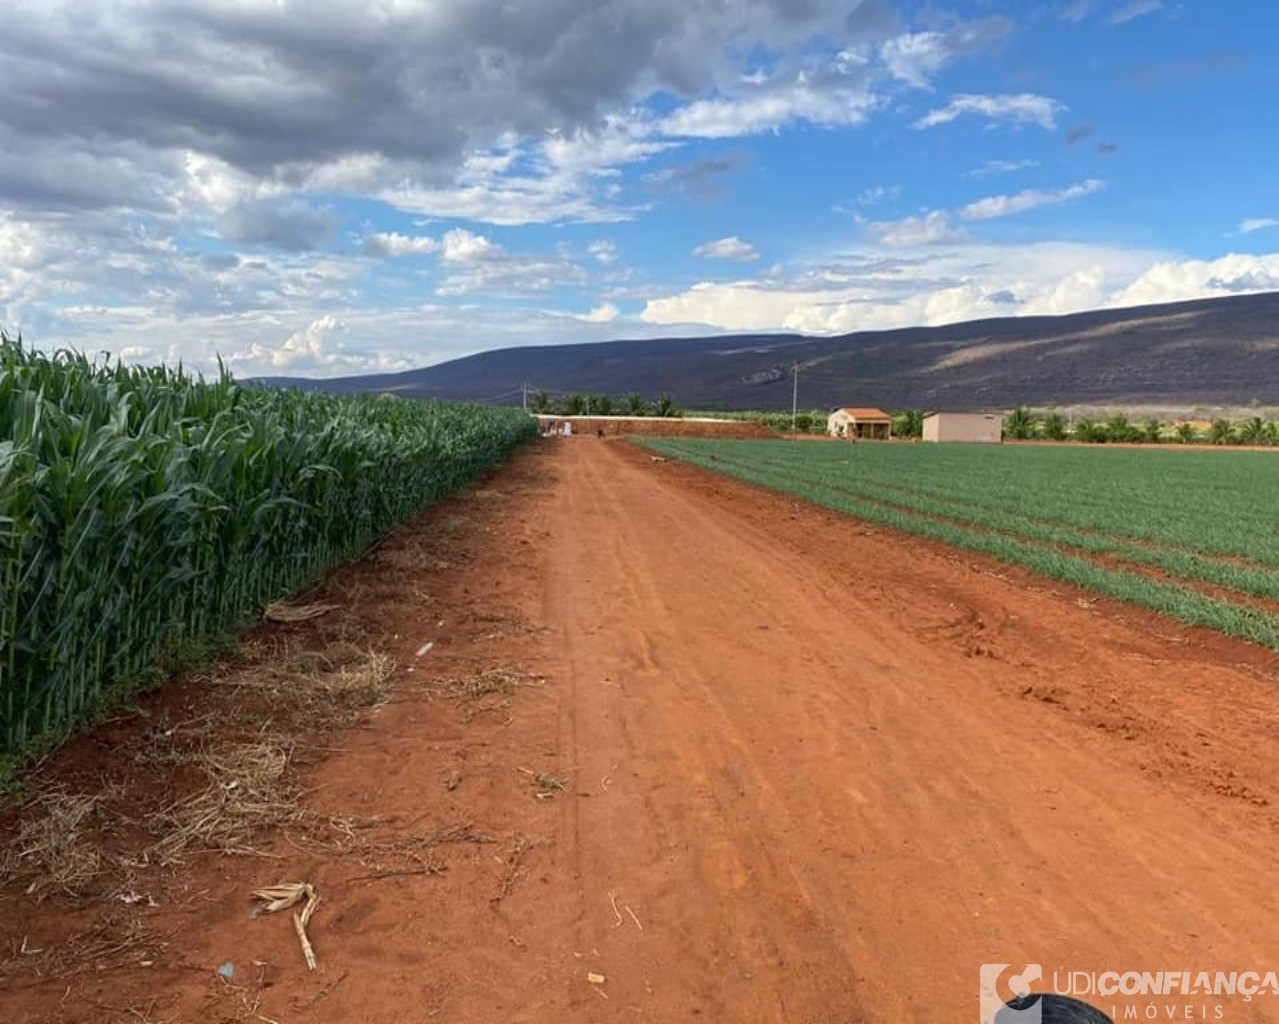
(1255, 430)
(1019, 424)
(1152, 431)
(1118, 428)
(600, 405)
(908, 423)
(1186, 433)
(574, 405)
(635, 404)
(803, 422)
(1221, 432)
(1089, 432)
(541, 402)
(1055, 426)
(665, 406)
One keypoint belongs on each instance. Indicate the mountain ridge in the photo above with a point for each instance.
(1220, 350)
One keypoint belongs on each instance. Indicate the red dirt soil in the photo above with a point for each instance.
(814, 772)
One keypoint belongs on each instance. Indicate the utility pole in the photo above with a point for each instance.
(524, 392)
(794, 397)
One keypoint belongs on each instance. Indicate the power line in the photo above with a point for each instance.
(794, 398)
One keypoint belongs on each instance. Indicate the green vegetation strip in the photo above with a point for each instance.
(1184, 604)
(1247, 579)
(143, 511)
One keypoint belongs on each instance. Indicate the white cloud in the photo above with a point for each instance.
(828, 98)
(877, 194)
(392, 243)
(991, 167)
(478, 265)
(462, 246)
(1028, 199)
(932, 228)
(1257, 224)
(603, 251)
(916, 57)
(315, 348)
(602, 314)
(902, 288)
(1135, 9)
(731, 248)
(1175, 280)
(621, 139)
(1022, 108)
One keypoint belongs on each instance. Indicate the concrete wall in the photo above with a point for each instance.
(963, 426)
(656, 426)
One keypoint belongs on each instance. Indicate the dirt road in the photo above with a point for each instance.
(813, 772)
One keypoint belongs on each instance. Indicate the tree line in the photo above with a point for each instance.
(1023, 424)
(575, 404)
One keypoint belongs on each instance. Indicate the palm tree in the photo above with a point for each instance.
(635, 405)
(1119, 429)
(1221, 432)
(1055, 426)
(665, 406)
(1152, 431)
(1254, 430)
(574, 405)
(541, 402)
(1019, 424)
(1185, 433)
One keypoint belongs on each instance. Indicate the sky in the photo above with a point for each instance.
(323, 188)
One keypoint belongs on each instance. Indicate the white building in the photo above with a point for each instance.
(982, 427)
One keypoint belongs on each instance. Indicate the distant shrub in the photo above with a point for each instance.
(1222, 432)
(1255, 430)
(1055, 426)
(1118, 428)
(1019, 424)
(1089, 432)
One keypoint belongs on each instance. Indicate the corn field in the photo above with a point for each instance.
(144, 509)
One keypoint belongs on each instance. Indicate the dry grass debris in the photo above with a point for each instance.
(282, 611)
(487, 682)
(503, 627)
(53, 847)
(247, 791)
(512, 867)
(320, 689)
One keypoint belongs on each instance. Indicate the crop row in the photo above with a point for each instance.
(143, 509)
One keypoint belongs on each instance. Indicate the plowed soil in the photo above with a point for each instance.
(765, 763)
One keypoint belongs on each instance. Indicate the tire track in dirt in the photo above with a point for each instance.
(945, 820)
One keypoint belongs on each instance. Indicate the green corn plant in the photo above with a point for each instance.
(143, 508)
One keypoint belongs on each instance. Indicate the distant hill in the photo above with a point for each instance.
(1214, 351)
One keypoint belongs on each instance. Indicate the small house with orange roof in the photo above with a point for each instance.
(860, 424)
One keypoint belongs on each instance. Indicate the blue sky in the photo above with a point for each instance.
(327, 188)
